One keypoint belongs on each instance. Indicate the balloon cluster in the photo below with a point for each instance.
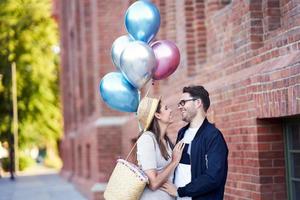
(136, 61)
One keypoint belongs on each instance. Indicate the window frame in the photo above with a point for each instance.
(287, 124)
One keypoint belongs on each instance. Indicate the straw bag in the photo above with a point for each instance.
(127, 181)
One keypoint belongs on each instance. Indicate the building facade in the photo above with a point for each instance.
(245, 52)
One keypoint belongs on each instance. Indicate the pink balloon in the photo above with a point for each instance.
(167, 56)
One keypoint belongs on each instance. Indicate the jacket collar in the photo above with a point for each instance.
(202, 127)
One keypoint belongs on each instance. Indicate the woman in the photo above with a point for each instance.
(154, 148)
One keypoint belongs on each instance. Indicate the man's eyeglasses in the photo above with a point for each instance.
(182, 102)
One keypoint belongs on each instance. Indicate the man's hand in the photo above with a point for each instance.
(169, 188)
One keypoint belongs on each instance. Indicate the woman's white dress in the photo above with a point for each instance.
(150, 157)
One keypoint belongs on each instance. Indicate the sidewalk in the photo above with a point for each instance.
(38, 183)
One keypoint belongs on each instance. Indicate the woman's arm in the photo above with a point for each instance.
(156, 179)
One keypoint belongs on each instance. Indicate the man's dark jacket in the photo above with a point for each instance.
(209, 165)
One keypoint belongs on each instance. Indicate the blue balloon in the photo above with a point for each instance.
(142, 21)
(118, 93)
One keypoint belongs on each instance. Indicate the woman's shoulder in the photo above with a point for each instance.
(146, 137)
(149, 133)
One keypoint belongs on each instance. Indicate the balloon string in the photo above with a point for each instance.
(152, 84)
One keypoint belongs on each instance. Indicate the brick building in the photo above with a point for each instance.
(245, 52)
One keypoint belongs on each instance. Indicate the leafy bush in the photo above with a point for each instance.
(5, 164)
(24, 162)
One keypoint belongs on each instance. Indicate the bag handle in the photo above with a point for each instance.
(131, 150)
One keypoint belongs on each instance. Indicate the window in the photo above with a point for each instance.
(292, 143)
(79, 161)
(88, 160)
(73, 156)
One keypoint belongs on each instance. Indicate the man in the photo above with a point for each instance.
(202, 171)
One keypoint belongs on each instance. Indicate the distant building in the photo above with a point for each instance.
(246, 53)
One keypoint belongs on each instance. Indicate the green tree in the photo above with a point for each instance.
(28, 34)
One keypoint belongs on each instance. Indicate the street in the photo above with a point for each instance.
(39, 185)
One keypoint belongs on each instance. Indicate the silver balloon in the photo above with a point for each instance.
(117, 48)
(138, 63)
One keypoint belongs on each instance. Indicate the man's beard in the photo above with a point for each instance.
(188, 117)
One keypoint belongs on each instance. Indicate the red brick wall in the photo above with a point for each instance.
(89, 147)
(246, 53)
